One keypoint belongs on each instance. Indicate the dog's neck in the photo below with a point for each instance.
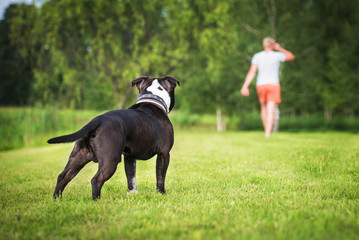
(149, 97)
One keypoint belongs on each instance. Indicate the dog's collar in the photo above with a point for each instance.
(151, 98)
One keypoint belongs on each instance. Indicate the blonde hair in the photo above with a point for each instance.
(268, 42)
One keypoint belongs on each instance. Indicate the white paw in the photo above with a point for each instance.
(135, 191)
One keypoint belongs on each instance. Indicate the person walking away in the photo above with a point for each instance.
(268, 88)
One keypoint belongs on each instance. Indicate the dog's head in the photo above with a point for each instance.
(161, 87)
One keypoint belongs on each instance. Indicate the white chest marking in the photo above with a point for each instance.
(155, 89)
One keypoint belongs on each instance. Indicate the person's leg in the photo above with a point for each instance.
(264, 114)
(270, 118)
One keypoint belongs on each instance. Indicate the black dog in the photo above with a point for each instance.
(139, 132)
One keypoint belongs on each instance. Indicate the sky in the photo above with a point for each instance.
(5, 3)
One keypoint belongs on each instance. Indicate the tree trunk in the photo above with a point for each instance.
(304, 112)
(221, 124)
(272, 15)
(124, 99)
(115, 90)
(328, 113)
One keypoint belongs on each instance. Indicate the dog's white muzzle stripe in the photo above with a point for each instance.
(157, 89)
(157, 95)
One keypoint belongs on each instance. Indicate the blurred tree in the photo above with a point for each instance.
(16, 58)
(340, 80)
(213, 69)
(299, 78)
(83, 54)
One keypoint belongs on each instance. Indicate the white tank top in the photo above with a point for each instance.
(268, 63)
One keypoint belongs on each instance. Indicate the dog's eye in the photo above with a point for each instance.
(159, 88)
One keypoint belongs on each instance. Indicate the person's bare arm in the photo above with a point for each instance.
(250, 75)
(288, 55)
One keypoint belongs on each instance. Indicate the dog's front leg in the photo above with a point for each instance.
(163, 159)
(130, 169)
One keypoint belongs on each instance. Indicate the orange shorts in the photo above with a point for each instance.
(268, 93)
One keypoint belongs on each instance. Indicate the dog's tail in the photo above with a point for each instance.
(88, 128)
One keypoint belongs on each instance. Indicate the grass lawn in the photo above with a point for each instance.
(233, 185)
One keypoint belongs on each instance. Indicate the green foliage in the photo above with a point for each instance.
(83, 54)
(16, 56)
(252, 122)
(28, 127)
(219, 186)
(187, 120)
(25, 127)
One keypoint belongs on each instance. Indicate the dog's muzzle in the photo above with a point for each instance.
(151, 98)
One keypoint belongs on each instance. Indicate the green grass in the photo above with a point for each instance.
(233, 185)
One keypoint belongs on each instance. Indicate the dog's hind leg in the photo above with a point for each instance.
(108, 145)
(79, 157)
(163, 159)
(130, 169)
(107, 167)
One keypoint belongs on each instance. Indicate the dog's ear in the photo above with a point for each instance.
(138, 82)
(170, 84)
(172, 80)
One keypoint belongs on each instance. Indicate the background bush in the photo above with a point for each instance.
(33, 126)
